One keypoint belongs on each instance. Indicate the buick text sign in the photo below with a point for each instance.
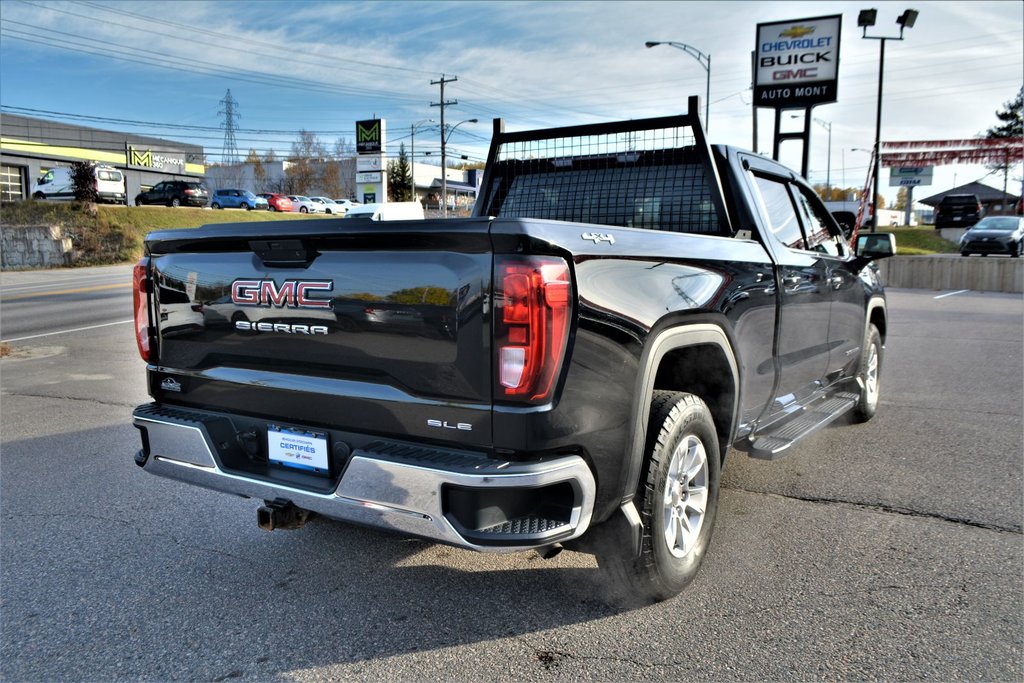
(797, 62)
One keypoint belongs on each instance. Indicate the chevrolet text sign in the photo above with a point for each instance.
(797, 62)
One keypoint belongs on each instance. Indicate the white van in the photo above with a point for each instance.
(386, 211)
(57, 184)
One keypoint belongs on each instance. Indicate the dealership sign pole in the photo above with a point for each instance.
(797, 67)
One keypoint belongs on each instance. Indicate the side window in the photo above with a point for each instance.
(159, 187)
(779, 210)
(818, 228)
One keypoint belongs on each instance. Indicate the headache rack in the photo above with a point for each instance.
(648, 173)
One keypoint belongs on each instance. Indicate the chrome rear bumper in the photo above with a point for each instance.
(398, 487)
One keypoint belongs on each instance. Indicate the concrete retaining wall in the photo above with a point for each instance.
(980, 274)
(34, 246)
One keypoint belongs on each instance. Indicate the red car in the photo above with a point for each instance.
(278, 202)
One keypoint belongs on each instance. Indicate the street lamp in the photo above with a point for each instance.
(866, 19)
(705, 61)
(444, 168)
(412, 154)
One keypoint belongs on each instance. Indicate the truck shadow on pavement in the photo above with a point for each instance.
(150, 578)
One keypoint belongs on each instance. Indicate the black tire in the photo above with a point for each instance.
(1015, 250)
(138, 201)
(271, 208)
(303, 209)
(215, 205)
(175, 202)
(681, 434)
(965, 253)
(246, 206)
(39, 195)
(869, 375)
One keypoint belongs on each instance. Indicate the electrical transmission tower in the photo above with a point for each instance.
(229, 153)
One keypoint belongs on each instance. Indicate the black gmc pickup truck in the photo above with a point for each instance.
(569, 366)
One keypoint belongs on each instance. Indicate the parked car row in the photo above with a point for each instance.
(192, 193)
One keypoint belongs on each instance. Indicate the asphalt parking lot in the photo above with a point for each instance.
(890, 550)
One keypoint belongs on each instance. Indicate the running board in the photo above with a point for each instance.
(775, 443)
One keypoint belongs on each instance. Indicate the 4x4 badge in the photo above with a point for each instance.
(598, 237)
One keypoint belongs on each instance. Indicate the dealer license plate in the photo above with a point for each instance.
(297, 448)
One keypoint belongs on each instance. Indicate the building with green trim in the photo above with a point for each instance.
(29, 147)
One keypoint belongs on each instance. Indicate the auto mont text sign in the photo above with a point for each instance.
(796, 63)
(370, 136)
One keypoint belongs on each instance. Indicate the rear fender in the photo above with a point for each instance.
(659, 347)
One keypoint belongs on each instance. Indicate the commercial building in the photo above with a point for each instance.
(29, 147)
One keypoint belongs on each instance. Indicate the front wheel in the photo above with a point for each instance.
(271, 208)
(175, 202)
(303, 209)
(869, 376)
(678, 500)
(246, 206)
(215, 205)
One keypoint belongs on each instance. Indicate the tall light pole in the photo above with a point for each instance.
(412, 154)
(444, 168)
(866, 19)
(827, 125)
(705, 61)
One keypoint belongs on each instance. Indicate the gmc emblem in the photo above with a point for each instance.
(291, 293)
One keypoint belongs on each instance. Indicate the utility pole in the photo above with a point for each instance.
(444, 171)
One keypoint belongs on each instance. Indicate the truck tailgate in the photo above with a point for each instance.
(379, 327)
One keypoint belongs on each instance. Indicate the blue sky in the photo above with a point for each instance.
(321, 66)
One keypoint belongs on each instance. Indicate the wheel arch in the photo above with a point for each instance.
(695, 358)
(877, 315)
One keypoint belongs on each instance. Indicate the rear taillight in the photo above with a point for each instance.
(533, 300)
(140, 291)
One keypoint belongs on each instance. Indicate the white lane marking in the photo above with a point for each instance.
(943, 296)
(77, 329)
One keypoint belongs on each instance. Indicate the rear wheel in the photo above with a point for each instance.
(869, 376)
(678, 500)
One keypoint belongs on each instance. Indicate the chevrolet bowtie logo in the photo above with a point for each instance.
(797, 32)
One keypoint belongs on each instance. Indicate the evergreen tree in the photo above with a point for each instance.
(400, 177)
(1011, 126)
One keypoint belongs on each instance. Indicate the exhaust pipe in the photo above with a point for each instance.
(282, 514)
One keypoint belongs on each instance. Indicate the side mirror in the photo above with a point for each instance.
(876, 245)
